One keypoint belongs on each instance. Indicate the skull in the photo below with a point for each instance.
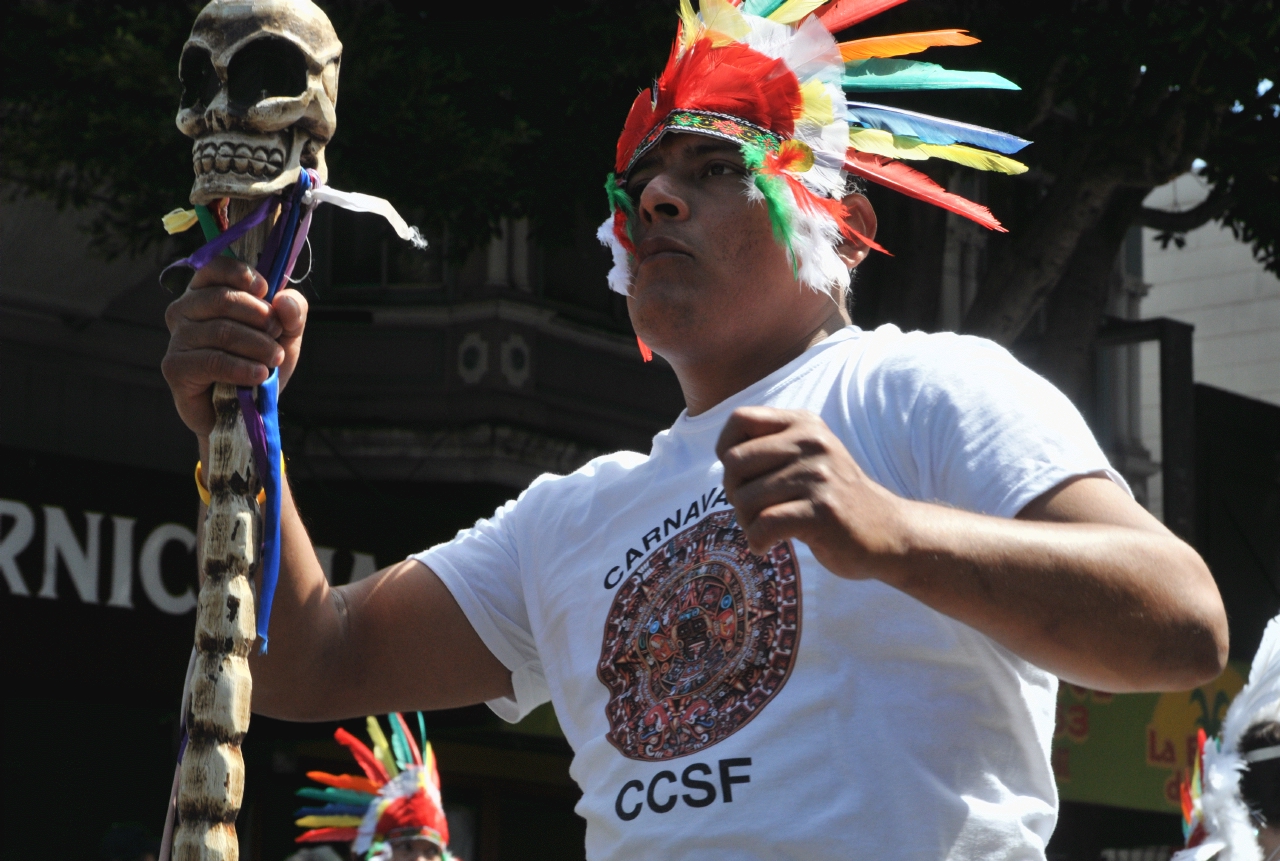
(259, 90)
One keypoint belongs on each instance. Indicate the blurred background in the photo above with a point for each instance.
(1139, 275)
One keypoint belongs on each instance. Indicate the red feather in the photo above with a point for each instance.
(369, 763)
(345, 781)
(870, 243)
(620, 231)
(731, 79)
(413, 811)
(843, 14)
(645, 352)
(913, 183)
(327, 835)
(836, 209)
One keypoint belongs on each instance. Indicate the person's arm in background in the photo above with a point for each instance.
(396, 641)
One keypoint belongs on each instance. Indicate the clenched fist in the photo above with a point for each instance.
(788, 476)
(222, 330)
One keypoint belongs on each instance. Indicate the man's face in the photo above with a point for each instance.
(414, 849)
(709, 276)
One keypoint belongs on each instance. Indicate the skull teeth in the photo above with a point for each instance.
(224, 157)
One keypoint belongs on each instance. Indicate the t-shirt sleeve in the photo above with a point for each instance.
(981, 431)
(482, 567)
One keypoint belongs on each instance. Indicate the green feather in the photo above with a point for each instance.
(618, 197)
(882, 75)
(763, 8)
(399, 744)
(339, 796)
(776, 199)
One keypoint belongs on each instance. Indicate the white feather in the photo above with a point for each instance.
(620, 274)
(1226, 819)
(814, 238)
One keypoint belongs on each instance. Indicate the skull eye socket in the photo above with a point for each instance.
(265, 68)
(199, 78)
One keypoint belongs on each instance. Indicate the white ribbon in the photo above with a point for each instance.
(357, 202)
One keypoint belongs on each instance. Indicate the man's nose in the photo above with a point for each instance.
(661, 201)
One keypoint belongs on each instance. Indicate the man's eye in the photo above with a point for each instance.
(718, 169)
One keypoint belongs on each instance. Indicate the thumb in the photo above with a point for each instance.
(290, 309)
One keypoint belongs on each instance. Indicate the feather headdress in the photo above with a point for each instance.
(398, 796)
(769, 76)
(1215, 816)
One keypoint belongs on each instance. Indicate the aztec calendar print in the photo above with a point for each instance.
(700, 637)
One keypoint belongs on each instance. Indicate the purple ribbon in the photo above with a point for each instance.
(253, 426)
(212, 249)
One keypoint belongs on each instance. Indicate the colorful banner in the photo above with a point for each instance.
(1130, 750)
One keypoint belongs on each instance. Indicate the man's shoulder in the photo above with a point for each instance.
(890, 344)
(889, 355)
(601, 469)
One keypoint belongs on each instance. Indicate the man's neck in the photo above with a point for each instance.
(708, 383)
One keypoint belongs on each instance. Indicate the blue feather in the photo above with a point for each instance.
(872, 75)
(333, 810)
(763, 8)
(338, 796)
(934, 130)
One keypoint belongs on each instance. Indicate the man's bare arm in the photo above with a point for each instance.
(1085, 583)
(394, 641)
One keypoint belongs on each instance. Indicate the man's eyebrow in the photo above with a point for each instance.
(714, 145)
(707, 147)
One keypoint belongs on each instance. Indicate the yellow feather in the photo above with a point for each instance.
(880, 142)
(329, 822)
(816, 103)
(980, 159)
(381, 749)
(723, 17)
(179, 220)
(903, 43)
(690, 25)
(794, 10)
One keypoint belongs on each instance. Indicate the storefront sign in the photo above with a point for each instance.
(1131, 750)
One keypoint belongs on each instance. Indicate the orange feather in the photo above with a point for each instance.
(903, 43)
(344, 781)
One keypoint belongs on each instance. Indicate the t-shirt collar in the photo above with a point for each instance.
(758, 391)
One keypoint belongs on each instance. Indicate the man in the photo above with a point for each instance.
(823, 617)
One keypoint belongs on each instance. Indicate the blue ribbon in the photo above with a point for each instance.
(261, 413)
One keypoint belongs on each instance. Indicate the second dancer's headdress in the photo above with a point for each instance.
(398, 797)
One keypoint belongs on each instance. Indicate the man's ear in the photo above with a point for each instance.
(862, 218)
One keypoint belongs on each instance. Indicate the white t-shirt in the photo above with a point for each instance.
(726, 706)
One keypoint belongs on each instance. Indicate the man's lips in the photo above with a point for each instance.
(660, 246)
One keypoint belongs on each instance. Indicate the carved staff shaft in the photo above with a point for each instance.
(211, 786)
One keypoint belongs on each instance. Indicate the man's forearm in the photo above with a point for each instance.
(306, 625)
(308, 659)
(1109, 607)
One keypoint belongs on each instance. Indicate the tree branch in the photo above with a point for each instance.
(1165, 221)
